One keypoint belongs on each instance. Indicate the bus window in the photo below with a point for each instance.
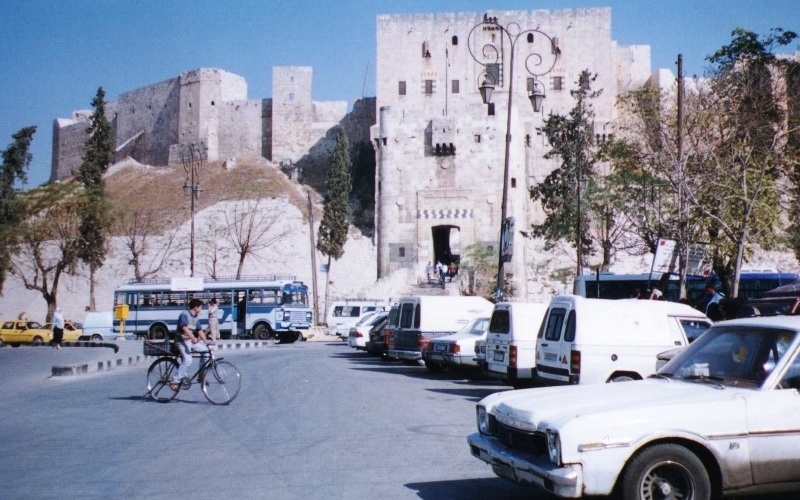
(271, 296)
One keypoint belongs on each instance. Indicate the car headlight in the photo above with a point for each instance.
(483, 420)
(553, 446)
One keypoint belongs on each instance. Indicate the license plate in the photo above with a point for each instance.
(499, 356)
(550, 356)
(505, 471)
(441, 347)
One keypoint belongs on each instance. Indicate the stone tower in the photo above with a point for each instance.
(440, 149)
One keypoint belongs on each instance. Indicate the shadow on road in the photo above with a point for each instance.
(468, 489)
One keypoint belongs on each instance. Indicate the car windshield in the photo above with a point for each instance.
(740, 356)
(476, 327)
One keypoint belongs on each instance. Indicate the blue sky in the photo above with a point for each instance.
(54, 54)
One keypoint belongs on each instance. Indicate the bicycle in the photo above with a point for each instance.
(219, 380)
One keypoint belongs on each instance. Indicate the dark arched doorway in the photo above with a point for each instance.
(446, 244)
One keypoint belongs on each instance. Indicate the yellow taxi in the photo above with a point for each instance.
(18, 332)
(72, 331)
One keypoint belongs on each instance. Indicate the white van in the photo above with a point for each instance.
(591, 341)
(511, 341)
(422, 318)
(98, 326)
(346, 313)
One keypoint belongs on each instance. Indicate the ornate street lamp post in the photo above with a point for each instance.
(541, 55)
(192, 156)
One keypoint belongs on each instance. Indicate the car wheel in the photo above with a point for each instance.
(622, 378)
(666, 471)
(158, 332)
(96, 338)
(434, 367)
(37, 341)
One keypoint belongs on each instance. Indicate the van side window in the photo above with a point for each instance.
(500, 321)
(417, 316)
(554, 323)
(406, 315)
(693, 328)
(569, 331)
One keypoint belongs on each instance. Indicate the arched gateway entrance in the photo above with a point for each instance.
(446, 244)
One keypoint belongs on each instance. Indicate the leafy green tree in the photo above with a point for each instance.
(793, 152)
(565, 192)
(745, 157)
(16, 159)
(478, 268)
(644, 173)
(95, 213)
(333, 228)
(48, 239)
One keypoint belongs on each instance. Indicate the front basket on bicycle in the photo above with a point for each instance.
(160, 348)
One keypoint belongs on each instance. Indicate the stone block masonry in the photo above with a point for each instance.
(211, 106)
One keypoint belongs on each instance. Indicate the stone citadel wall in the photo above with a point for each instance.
(211, 106)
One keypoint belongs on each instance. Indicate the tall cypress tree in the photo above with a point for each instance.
(332, 234)
(16, 159)
(333, 228)
(95, 214)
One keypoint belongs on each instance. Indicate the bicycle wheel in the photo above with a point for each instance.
(221, 382)
(158, 376)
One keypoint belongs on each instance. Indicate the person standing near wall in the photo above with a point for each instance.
(213, 319)
(58, 329)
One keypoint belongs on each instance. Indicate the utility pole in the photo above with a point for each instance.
(683, 244)
(313, 258)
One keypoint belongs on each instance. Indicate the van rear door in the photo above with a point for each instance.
(554, 343)
(498, 342)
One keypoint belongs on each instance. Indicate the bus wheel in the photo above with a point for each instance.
(158, 332)
(261, 332)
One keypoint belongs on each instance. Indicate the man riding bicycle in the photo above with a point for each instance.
(191, 339)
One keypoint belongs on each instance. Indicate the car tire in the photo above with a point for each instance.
(666, 471)
(37, 341)
(435, 367)
(96, 338)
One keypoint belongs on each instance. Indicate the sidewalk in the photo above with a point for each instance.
(89, 357)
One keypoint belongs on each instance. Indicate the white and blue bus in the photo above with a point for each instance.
(261, 307)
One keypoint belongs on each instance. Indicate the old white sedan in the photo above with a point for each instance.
(722, 417)
(456, 350)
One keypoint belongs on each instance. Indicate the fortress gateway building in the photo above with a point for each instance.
(440, 149)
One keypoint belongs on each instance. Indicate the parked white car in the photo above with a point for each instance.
(720, 418)
(359, 334)
(458, 349)
(343, 330)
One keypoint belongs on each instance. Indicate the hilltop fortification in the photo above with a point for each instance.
(210, 106)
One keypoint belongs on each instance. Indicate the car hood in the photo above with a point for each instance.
(658, 402)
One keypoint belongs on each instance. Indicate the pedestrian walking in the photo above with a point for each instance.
(58, 329)
(213, 319)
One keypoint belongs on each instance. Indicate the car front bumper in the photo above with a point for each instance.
(565, 481)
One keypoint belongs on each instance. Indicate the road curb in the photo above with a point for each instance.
(107, 365)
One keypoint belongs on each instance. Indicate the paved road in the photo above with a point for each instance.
(313, 420)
